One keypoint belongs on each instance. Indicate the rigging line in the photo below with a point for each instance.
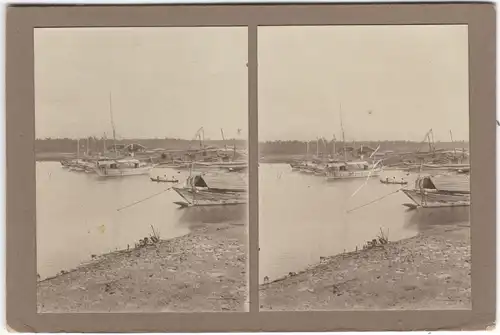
(371, 202)
(139, 201)
(367, 178)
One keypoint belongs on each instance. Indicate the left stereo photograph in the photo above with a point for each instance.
(141, 169)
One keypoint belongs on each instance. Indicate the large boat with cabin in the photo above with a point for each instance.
(351, 169)
(210, 189)
(121, 167)
(439, 191)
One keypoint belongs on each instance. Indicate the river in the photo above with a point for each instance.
(301, 217)
(304, 217)
(78, 217)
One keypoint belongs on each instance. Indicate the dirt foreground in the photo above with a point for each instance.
(429, 271)
(203, 271)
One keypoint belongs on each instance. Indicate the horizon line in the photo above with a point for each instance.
(238, 139)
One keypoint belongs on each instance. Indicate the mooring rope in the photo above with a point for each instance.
(371, 202)
(139, 201)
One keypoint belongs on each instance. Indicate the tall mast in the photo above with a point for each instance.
(317, 147)
(307, 150)
(429, 139)
(343, 134)
(104, 144)
(77, 148)
(454, 149)
(112, 123)
(223, 139)
(334, 142)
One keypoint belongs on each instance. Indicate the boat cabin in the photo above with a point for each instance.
(348, 166)
(218, 181)
(120, 164)
(444, 183)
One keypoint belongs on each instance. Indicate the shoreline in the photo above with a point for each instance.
(203, 271)
(428, 271)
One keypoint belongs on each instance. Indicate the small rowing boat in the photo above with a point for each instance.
(393, 181)
(164, 180)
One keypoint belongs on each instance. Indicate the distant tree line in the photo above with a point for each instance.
(300, 147)
(94, 144)
(68, 145)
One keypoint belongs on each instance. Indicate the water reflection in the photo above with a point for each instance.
(194, 217)
(78, 214)
(304, 217)
(426, 218)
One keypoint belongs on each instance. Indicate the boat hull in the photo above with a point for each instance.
(430, 198)
(205, 197)
(340, 175)
(107, 173)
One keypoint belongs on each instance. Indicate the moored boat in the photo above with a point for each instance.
(164, 180)
(213, 189)
(440, 191)
(351, 169)
(121, 167)
(393, 181)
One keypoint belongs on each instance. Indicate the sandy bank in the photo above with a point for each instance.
(202, 271)
(429, 271)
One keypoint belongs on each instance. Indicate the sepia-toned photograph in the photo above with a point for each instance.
(364, 170)
(141, 169)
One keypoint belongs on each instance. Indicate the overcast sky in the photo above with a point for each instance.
(393, 82)
(164, 82)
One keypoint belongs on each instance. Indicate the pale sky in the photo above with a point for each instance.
(164, 82)
(411, 78)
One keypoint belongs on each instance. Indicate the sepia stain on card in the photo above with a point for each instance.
(102, 229)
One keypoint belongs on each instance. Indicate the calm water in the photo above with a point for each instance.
(303, 217)
(77, 214)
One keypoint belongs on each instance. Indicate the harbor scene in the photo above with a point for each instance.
(129, 211)
(364, 168)
(416, 201)
(141, 170)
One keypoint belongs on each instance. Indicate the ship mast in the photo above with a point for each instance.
(334, 142)
(77, 148)
(112, 124)
(343, 134)
(453, 143)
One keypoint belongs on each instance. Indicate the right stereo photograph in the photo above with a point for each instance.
(364, 170)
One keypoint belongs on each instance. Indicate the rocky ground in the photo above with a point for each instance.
(429, 271)
(203, 271)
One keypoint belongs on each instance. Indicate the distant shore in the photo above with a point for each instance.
(429, 271)
(200, 272)
(53, 156)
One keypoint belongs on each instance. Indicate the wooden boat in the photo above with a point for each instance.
(164, 180)
(65, 163)
(213, 190)
(121, 168)
(440, 191)
(393, 181)
(351, 169)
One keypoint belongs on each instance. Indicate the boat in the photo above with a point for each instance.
(439, 191)
(393, 181)
(351, 169)
(121, 167)
(65, 163)
(212, 190)
(164, 180)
